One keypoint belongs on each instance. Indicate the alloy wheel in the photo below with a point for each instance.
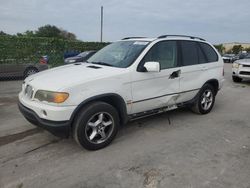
(207, 99)
(99, 127)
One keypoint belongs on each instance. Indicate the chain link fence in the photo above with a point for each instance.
(19, 55)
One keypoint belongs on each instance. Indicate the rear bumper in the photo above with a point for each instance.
(57, 128)
(227, 60)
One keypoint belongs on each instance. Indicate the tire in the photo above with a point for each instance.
(205, 100)
(29, 71)
(94, 131)
(236, 79)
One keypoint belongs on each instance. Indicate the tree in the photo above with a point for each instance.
(53, 31)
(237, 49)
(3, 33)
(48, 31)
(29, 33)
(68, 35)
(247, 49)
(220, 48)
(19, 34)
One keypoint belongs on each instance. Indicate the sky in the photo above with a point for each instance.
(217, 21)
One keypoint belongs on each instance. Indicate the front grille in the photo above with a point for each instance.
(246, 65)
(244, 73)
(28, 91)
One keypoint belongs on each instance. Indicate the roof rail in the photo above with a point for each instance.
(133, 38)
(191, 37)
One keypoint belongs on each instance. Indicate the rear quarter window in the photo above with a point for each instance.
(211, 55)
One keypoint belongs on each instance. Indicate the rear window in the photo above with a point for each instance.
(209, 52)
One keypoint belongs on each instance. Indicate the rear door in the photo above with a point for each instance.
(152, 90)
(199, 63)
(191, 71)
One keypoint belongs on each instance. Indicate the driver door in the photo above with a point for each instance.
(152, 90)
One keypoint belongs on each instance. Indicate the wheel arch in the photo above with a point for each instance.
(214, 83)
(111, 98)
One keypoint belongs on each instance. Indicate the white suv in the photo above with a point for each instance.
(241, 69)
(126, 80)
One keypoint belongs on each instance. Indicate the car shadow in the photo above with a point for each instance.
(247, 82)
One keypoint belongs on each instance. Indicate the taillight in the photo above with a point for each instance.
(43, 61)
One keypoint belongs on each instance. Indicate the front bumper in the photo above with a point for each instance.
(241, 72)
(57, 128)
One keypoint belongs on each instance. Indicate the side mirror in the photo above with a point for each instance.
(152, 66)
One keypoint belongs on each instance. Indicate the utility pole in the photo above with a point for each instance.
(101, 21)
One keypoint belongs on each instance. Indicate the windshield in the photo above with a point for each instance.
(119, 54)
(83, 54)
(248, 56)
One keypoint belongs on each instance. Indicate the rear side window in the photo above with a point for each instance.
(211, 55)
(201, 54)
(189, 53)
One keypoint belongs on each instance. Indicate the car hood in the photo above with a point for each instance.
(73, 58)
(244, 61)
(60, 78)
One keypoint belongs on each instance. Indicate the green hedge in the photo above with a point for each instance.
(27, 49)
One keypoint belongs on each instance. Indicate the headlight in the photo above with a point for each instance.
(236, 65)
(50, 96)
(72, 61)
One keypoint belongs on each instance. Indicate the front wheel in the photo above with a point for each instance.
(205, 100)
(96, 125)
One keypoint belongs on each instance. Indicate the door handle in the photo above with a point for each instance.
(175, 74)
(204, 68)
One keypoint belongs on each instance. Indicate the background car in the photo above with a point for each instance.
(13, 70)
(235, 58)
(80, 57)
(243, 55)
(228, 58)
(68, 54)
(241, 69)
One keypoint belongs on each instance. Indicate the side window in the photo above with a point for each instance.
(201, 55)
(165, 53)
(209, 52)
(189, 53)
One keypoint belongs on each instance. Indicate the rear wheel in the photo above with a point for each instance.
(29, 71)
(205, 101)
(236, 79)
(96, 125)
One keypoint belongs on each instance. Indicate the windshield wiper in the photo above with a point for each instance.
(102, 63)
